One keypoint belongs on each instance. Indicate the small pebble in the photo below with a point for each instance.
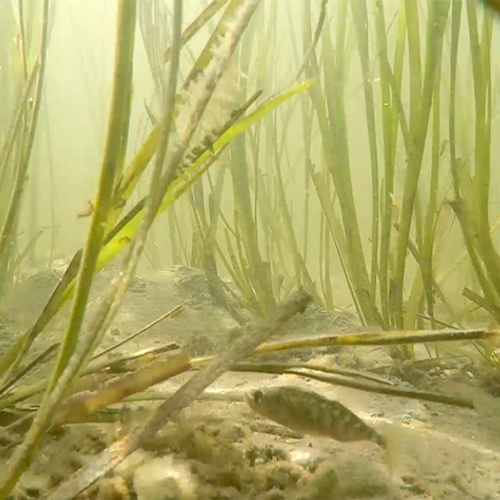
(113, 488)
(352, 477)
(164, 479)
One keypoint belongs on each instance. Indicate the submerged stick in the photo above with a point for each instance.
(380, 339)
(79, 405)
(130, 362)
(368, 339)
(251, 336)
(362, 385)
(385, 389)
(282, 367)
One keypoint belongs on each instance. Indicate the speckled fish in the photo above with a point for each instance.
(310, 413)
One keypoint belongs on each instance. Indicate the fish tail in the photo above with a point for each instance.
(391, 444)
(381, 440)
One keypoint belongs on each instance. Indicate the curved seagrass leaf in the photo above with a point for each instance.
(189, 174)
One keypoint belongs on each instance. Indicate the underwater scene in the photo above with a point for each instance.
(249, 249)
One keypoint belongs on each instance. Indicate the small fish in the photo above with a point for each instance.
(310, 413)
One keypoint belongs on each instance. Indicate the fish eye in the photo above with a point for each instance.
(257, 396)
